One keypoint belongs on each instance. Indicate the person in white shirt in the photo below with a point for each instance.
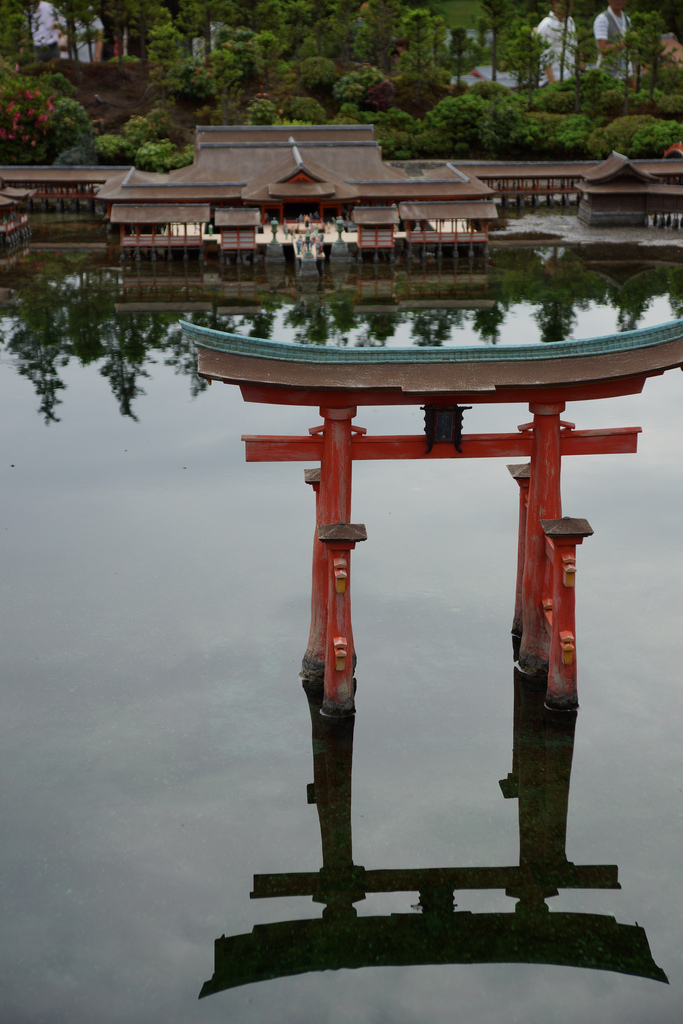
(558, 32)
(45, 31)
(610, 27)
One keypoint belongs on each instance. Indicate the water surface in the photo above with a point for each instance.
(157, 748)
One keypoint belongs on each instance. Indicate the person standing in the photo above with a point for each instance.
(610, 27)
(558, 32)
(45, 31)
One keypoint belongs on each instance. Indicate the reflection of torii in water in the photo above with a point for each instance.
(541, 766)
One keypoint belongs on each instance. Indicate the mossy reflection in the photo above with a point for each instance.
(543, 744)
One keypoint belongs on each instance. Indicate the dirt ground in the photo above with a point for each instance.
(113, 92)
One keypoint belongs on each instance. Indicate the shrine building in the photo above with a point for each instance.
(288, 172)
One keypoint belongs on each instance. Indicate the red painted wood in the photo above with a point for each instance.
(544, 503)
(612, 441)
(561, 692)
(338, 697)
(279, 395)
(334, 506)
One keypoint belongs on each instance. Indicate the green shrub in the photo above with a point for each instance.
(154, 156)
(261, 111)
(55, 82)
(672, 105)
(571, 134)
(190, 79)
(68, 123)
(653, 139)
(535, 133)
(455, 120)
(353, 87)
(318, 73)
(595, 85)
(397, 133)
(111, 149)
(349, 114)
(617, 135)
(503, 130)
(304, 108)
(138, 130)
(556, 98)
(488, 90)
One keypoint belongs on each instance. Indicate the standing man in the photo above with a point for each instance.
(610, 27)
(558, 32)
(45, 31)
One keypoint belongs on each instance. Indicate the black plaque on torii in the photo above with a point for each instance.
(542, 755)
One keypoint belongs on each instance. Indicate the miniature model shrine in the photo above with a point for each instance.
(250, 176)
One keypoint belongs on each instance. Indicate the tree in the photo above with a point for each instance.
(417, 64)
(269, 53)
(165, 43)
(377, 32)
(198, 17)
(144, 15)
(15, 35)
(648, 30)
(496, 14)
(582, 50)
(527, 56)
(463, 52)
(299, 15)
(344, 22)
(227, 74)
(119, 12)
(73, 13)
(621, 61)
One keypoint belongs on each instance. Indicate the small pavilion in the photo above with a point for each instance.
(161, 229)
(618, 193)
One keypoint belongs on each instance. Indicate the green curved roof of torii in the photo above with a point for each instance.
(261, 348)
(616, 364)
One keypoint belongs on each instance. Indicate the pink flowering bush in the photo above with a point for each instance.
(25, 110)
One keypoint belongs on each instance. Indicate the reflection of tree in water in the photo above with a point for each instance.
(263, 322)
(488, 323)
(555, 318)
(64, 310)
(321, 322)
(674, 277)
(434, 326)
(377, 329)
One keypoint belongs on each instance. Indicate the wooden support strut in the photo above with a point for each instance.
(562, 537)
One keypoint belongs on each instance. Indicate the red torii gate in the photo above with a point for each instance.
(441, 381)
